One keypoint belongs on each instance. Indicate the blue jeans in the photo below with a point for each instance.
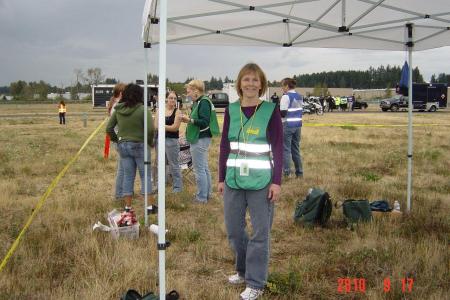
(199, 153)
(291, 148)
(252, 253)
(132, 158)
(172, 155)
(119, 175)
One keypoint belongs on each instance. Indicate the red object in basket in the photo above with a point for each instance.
(127, 218)
(107, 144)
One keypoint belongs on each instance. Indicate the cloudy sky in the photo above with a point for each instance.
(48, 39)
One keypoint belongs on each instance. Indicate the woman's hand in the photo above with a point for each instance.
(274, 192)
(185, 118)
(220, 188)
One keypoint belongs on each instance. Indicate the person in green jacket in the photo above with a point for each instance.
(129, 118)
(198, 134)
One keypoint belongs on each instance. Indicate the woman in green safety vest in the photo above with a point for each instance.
(250, 165)
(201, 126)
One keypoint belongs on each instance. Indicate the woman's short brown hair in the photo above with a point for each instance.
(197, 85)
(289, 82)
(252, 68)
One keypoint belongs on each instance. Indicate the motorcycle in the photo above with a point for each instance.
(311, 106)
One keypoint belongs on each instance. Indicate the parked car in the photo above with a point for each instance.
(220, 100)
(360, 104)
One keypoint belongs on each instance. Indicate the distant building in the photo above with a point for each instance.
(67, 96)
(229, 88)
(5, 97)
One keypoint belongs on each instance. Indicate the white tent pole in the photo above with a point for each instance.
(409, 28)
(146, 161)
(161, 146)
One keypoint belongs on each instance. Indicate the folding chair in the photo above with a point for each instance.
(185, 159)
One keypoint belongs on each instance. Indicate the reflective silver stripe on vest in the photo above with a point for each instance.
(204, 129)
(252, 163)
(295, 109)
(254, 148)
(293, 119)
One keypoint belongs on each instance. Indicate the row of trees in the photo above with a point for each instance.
(441, 78)
(379, 78)
(23, 90)
(212, 84)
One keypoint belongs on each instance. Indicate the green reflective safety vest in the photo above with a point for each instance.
(193, 131)
(249, 164)
(337, 101)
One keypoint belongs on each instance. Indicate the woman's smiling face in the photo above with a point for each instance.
(250, 85)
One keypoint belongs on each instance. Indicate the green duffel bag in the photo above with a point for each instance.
(314, 210)
(357, 210)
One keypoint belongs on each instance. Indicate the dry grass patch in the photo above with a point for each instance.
(60, 257)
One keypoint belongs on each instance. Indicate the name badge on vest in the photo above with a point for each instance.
(253, 131)
(244, 169)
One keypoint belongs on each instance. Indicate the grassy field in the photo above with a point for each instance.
(59, 257)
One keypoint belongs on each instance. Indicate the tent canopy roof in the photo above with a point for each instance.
(359, 24)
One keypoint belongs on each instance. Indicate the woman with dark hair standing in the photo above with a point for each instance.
(129, 116)
(172, 126)
(173, 121)
(250, 163)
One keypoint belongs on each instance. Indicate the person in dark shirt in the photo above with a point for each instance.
(172, 126)
(275, 99)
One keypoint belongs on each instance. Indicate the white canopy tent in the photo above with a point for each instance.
(399, 25)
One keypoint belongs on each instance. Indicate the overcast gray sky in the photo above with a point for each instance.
(48, 39)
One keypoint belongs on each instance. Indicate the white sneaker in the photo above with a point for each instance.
(251, 294)
(236, 279)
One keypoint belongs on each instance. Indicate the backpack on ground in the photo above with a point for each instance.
(357, 210)
(314, 210)
(380, 205)
(134, 295)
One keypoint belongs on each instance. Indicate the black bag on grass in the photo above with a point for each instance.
(314, 210)
(357, 210)
(380, 205)
(134, 295)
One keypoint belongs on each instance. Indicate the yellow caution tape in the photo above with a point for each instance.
(369, 125)
(45, 196)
